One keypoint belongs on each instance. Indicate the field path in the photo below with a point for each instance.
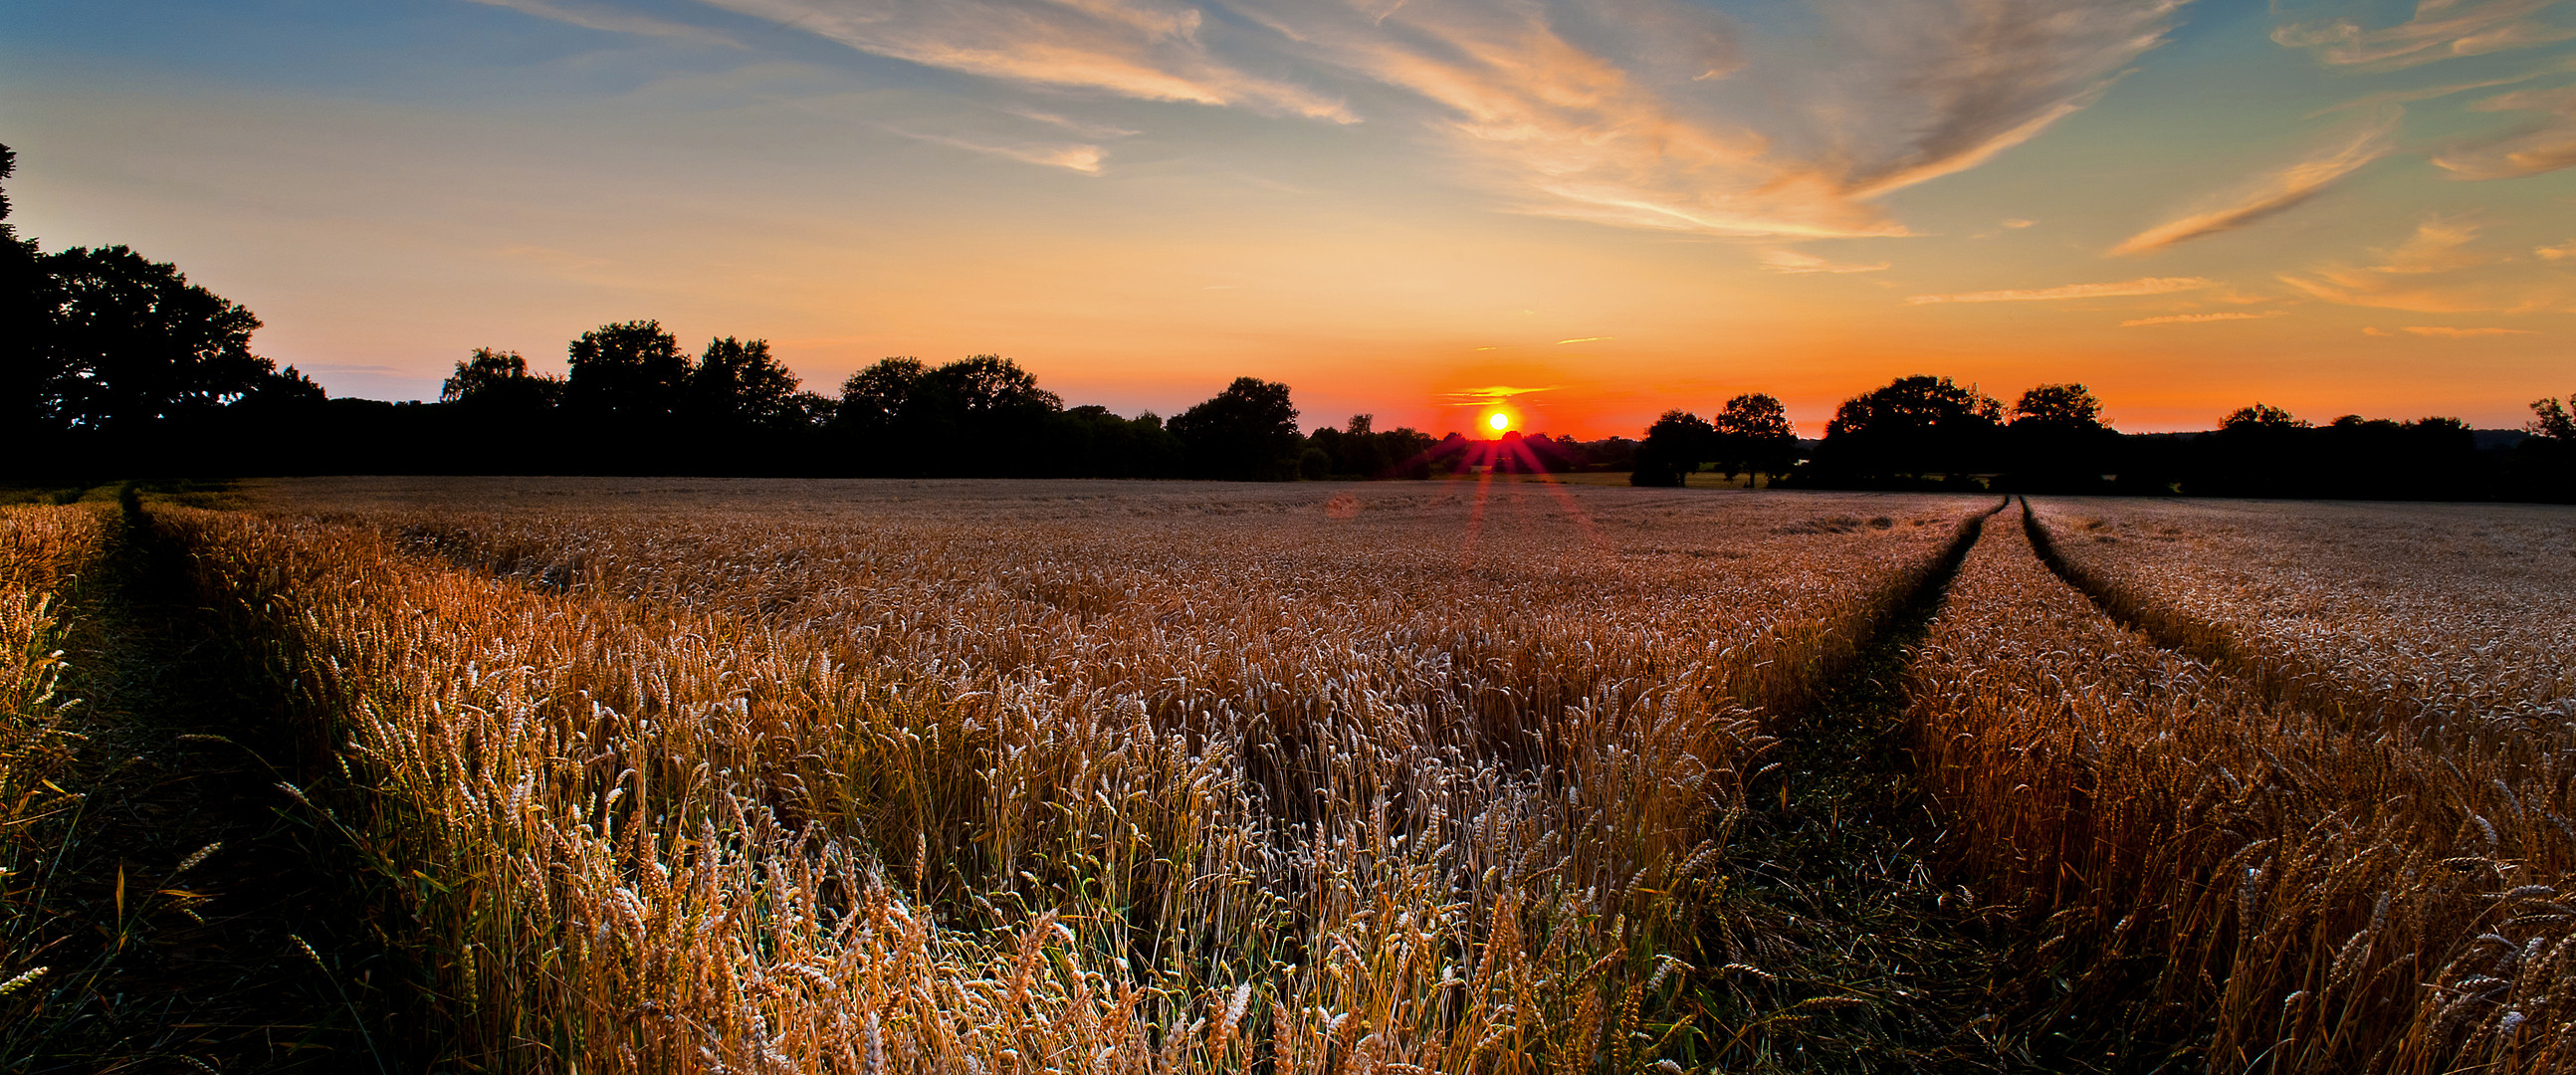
(1868, 963)
(208, 930)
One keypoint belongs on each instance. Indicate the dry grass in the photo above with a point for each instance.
(2231, 873)
(1062, 776)
(43, 551)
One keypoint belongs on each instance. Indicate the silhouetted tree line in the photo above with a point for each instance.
(113, 364)
(1924, 432)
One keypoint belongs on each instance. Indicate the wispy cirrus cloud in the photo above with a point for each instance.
(2545, 146)
(2200, 319)
(1613, 111)
(1794, 261)
(2449, 332)
(1086, 159)
(1618, 112)
(602, 17)
(2278, 191)
(2438, 30)
(2376, 101)
(1488, 395)
(1942, 86)
(1594, 111)
(1146, 49)
(2438, 269)
(2152, 285)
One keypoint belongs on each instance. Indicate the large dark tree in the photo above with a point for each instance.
(499, 381)
(24, 366)
(1676, 444)
(991, 384)
(737, 385)
(1754, 436)
(874, 400)
(2543, 466)
(630, 370)
(129, 342)
(1246, 433)
(981, 416)
(1913, 427)
(2550, 418)
(2258, 450)
(2057, 441)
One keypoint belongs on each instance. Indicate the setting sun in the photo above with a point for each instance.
(1499, 421)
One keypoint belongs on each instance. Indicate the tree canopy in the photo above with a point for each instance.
(1911, 427)
(631, 369)
(128, 340)
(500, 380)
(2066, 407)
(1246, 433)
(2549, 418)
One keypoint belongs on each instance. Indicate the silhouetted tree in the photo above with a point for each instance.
(285, 393)
(2070, 407)
(874, 399)
(1360, 450)
(738, 385)
(2550, 418)
(1676, 444)
(2258, 450)
(981, 416)
(1915, 426)
(500, 381)
(1092, 442)
(2259, 418)
(129, 342)
(2057, 441)
(630, 370)
(1754, 436)
(25, 366)
(1246, 433)
(2543, 466)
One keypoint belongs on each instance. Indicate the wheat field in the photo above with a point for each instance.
(2277, 883)
(43, 552)
(1186, 781)
(1115, 777)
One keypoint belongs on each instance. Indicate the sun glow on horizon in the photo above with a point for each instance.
(1498, 421)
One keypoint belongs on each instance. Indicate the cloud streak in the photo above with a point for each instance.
(2152, 285)
(2276, 192)
(611, 20)
(2199, 319)
(2448, 332)
(1488, 395)
(1793, 261)
(2545, 146)
(2438, 270)
(2439, 30)
(1946, 85)
(1086, 159)
(1155, 51)
(1609, 110)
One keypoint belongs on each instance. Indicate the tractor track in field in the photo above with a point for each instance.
(1851, 954)
(199, 919)
(2277, 682)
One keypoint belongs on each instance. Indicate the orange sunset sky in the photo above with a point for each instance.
(1595, 209)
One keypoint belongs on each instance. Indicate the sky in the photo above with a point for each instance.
(1584, 211)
